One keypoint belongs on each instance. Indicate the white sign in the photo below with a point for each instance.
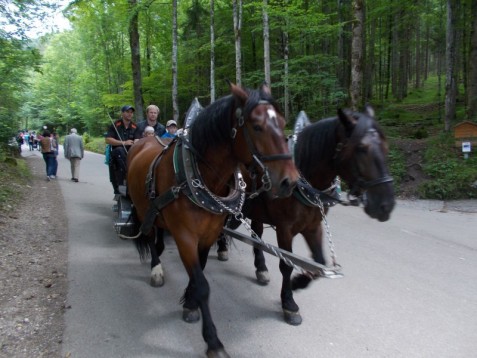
(466, 147)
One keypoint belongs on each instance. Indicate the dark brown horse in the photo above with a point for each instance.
(350, 145)
(189, 186)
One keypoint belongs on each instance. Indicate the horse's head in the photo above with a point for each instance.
(361, 162)
(260, 143)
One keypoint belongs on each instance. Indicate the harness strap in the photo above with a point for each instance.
(310, 196)
(156, 206)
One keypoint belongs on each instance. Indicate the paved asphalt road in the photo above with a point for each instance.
(410, 287)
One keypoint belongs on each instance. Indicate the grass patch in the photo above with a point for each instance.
(397, 165)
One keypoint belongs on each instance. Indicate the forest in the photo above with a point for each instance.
(317, 56)
(415, 62)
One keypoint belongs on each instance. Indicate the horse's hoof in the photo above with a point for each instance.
(300, 282)
(292, 318)
(263, 277)
(190, 316)
(157, 276)
(217, 353)
(223, 255)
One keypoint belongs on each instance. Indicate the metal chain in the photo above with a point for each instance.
(238, 215)
(242, 186)
(327, 228)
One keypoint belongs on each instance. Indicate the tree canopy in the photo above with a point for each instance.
(82, 76)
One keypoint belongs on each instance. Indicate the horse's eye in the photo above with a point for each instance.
(257, 128)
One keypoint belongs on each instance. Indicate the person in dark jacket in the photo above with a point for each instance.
(121, 135)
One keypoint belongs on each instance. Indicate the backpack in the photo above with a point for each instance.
(107, 154)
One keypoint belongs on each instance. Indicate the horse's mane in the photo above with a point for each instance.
(213, 126)
(316, 142)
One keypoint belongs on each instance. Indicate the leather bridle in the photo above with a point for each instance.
(258, 159)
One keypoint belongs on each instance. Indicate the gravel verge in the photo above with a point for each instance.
(33, 268)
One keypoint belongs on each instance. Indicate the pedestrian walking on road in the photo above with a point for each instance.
(55, 140)
(48, 151)
(74, 152)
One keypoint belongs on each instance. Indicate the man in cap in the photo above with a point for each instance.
(171, 129)
(152, 120)
(121, 135)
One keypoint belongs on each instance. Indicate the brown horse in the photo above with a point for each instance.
(350, 145)
(189, 185)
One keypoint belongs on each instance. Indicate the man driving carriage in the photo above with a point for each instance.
(121, 135)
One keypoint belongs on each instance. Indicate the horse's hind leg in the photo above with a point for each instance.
(261, 270)
(157, 247)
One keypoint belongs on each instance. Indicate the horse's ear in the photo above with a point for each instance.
(238, 92)
(346, 120)
(265, 88)
(369, 111)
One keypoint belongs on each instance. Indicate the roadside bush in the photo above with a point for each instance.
(96, 145)
(452, 176)
(86, 137)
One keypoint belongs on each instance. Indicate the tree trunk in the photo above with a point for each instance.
(417, 83)
(175, 103)
(451, 85)
(286, 99)
(370, 63)
(237, 13)
(357, 55)
(266, 43)
(212, 52)
(136, 61)
(389, 55)
(343, 44)
(472, 63)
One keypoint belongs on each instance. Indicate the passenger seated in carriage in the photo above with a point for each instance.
(149, 132)
(121, 135)
(152, 120)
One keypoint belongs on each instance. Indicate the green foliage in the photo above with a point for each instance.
(96, 145)
(397, 165)
(86, 138)
(452, 176)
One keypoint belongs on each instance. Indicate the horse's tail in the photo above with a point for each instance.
(142, 242)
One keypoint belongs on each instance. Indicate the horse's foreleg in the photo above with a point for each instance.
(314, 240)
(197, 296)
(157, 247)
(261, 270)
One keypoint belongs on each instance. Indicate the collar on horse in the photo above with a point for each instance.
(190, 183)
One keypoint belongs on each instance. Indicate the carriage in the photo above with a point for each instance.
(188, 196)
